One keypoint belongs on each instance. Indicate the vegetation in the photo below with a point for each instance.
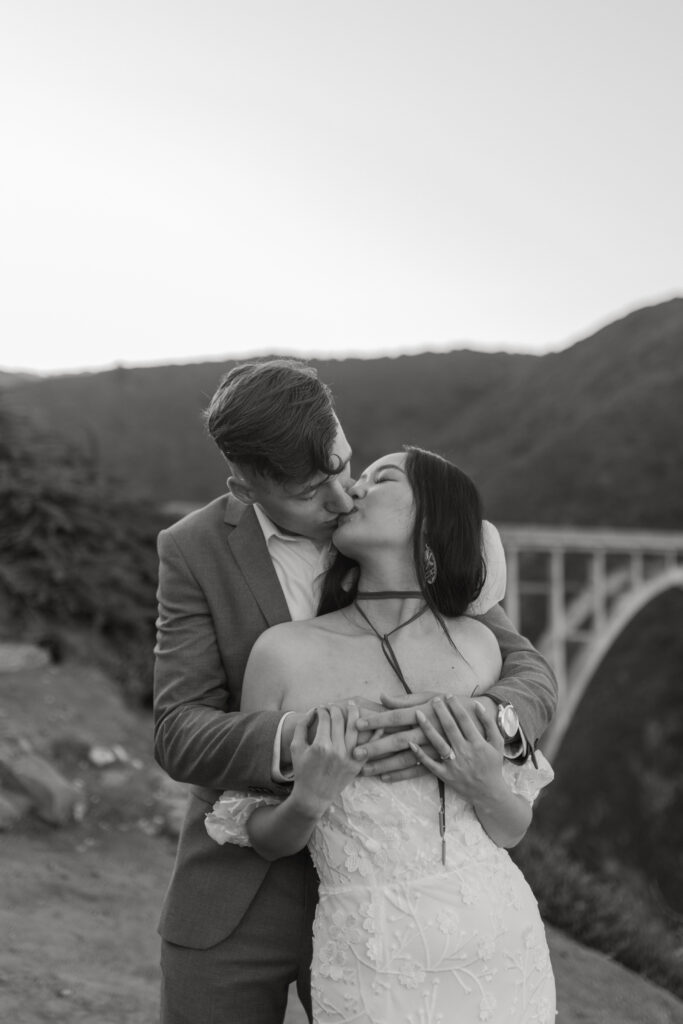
(617, 799)
(77, 559)
(601, 913)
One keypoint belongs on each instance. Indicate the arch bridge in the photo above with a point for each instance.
(573, 590)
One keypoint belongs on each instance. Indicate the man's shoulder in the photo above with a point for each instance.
(223, 512)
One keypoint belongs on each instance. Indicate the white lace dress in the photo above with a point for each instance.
(398, 936)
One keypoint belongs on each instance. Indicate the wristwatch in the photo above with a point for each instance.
(506, 718)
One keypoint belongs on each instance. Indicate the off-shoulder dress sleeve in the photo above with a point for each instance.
(525, 779)
(227, 822)
(493, 591)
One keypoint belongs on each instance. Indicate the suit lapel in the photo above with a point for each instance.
(248, 546)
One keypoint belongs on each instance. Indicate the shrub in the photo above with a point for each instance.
(75, 553)
(603, 913)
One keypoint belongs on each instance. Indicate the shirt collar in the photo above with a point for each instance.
(271, 530)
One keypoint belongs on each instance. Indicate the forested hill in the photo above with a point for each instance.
(592, 434)
(11, 380)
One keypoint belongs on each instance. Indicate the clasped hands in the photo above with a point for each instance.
(455, 738)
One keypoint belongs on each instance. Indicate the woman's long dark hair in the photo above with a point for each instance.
(448, 514)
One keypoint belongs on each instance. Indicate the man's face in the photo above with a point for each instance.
(309, 509)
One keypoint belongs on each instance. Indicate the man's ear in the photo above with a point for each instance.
(239, 486)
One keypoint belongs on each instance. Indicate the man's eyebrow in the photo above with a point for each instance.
(318, 483)
(344, 464)
(308, 487)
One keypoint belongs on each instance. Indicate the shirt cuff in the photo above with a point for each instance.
(516, 747)
(275, 767)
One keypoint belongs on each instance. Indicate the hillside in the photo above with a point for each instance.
(593, 434)
(595, 431)
(11, 380)
(79, 916)
(145, 424)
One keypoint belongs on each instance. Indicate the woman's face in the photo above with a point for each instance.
(383, 512)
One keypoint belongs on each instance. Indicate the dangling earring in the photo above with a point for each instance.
(429, 565)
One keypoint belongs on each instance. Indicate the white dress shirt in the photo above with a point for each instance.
(300, 565)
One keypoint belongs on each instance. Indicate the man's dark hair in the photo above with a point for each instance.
(448, 515)
(276, 418)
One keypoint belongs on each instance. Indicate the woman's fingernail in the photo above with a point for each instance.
(437, 700)
(420, 716)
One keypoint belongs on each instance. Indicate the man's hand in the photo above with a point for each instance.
(390, 756)
(295, 717)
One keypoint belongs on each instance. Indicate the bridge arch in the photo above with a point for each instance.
(624, 570)
(588, 662)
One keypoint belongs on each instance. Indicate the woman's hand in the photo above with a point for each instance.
(473, 765)
(464, 758)
(321, 757)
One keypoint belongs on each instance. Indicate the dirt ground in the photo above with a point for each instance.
(79, 904)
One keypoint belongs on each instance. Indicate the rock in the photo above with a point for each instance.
(54, 799)
(22, 657)
(101, 757)
(13, 807)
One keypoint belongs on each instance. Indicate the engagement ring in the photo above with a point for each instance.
(450, 756)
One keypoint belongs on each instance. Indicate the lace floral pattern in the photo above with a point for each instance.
(400, 938)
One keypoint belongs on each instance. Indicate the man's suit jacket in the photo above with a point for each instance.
(218, 591)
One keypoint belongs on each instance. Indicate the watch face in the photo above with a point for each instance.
(508, 721)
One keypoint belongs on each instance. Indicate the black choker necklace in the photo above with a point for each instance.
(386, 595)
(390, 655)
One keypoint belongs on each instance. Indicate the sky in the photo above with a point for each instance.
(188, 179)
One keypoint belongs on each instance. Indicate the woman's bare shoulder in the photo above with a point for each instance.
(478, 644)
(290, 638)
(471, 629)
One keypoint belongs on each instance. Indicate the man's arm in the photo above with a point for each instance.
(526, 679)
(200, 736)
